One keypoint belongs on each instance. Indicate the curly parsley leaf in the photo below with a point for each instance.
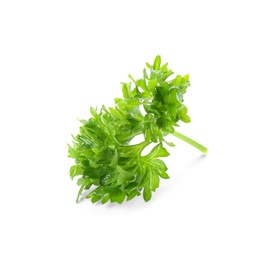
(104, 156)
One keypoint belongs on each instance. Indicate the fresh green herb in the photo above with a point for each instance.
(104, 156)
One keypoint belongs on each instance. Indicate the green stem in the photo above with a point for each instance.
(190, 141)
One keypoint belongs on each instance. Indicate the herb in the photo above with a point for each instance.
(104, 156)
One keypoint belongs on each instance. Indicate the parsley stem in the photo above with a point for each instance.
(190, 141)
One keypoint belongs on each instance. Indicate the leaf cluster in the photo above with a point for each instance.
(104, 157)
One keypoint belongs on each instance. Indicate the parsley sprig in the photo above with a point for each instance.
(104, 156)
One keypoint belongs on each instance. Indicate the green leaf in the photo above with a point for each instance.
(132, 103)
(83, 182)
(147, 194)
(144, 177)
(157, 62)
(152, 84)
(94, 113)
(154, 181)
(141, 83)
(163, 175)
(105, 198)
(95, 198)
(130, 77)
(114, 160)
(117, 196)
(172, 96)
(75, 170)
(159, 164)
(133, 194)
(183, 116)
(176, 81)
(172, 109)
(148, 65)
(124, 176)
(126, 88)
(96, 194)
(145, 76)
(185, 78)
(170, 143)
(72, 152)
(131, 150)
(108, 178)
(147, 136)
(95, 173)
(79, 193)
(164, 68)
(168, 74)
(157, 151)
(169, 128)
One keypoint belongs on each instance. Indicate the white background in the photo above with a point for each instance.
(58, 58)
